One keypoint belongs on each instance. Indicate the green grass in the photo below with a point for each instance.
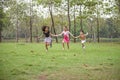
(29, 61)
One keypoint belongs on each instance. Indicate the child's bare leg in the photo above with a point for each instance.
(51, 43)
(83, 46)
(68, 45)
(46, 46)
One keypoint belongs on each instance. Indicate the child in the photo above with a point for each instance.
(66, 39)
(82, 36)
(47, 34)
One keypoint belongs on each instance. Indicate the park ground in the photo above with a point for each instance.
(29, 61)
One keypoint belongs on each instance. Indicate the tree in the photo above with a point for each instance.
(98, 35)
(3, 18)
(16, 13)
(3, 22)
(98, 5)
(17, 32)
(90, 15)
(52, 19)
(74, 24)
(68, 12)
(73, 3)
(81, 5)
(118, 5)
(30, 21)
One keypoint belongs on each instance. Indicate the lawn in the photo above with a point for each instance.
(29, 61)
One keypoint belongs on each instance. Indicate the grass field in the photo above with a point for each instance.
(29, 61)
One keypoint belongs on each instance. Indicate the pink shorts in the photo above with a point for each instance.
(66, 40)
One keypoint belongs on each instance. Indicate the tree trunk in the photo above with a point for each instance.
(119, 5)
(31, 21)
(98, 36)
(0, 35)
(61, 23)
(69, 23)
(37, 40)
(81, 19)
(74, 25)
(17, 26)
(17, 32)
(51, 29)
(26, 36)
(94, 37)
(91, 30)
(26, 31)
(30, 30)
(50, 10)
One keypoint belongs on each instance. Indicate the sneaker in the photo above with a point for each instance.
(46, 50)
(84, 47)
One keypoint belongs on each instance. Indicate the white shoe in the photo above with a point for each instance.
(46, 50)
(84, 47)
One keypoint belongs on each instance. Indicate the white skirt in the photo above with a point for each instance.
(83, 41)
(48, 39)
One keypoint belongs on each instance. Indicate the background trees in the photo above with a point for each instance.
(3, 19)
(2, 22)
(23, 19)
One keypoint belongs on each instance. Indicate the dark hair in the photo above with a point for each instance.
(44, 27)
(81, 31)
(66, 27)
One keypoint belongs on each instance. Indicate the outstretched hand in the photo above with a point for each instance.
(56, 35)
(75, 37)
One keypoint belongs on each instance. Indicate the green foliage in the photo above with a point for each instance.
(48, 2)
(3, 19)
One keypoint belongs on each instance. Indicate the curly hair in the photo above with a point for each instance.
(44, 27)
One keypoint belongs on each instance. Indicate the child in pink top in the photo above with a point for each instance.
(66, 39)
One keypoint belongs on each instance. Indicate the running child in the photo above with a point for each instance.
(48, 39)
(66, 39)
(82, 37)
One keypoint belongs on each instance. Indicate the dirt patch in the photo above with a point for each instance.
(32, 51)
(85, 65)
(43, 77)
